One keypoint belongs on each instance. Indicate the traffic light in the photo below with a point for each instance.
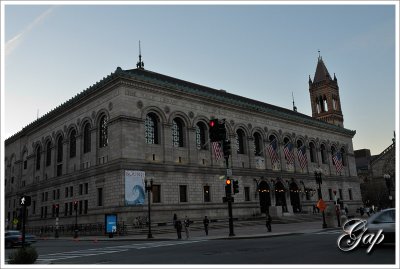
(228, 188)
(227, 148)
(217, 130)
(75, 205)
(213, 130)
(25, 200)
(235, 186)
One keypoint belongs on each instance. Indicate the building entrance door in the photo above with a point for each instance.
(265, 197)
(295, 197)
(280, 196)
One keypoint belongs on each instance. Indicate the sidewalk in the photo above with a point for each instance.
(241, 231)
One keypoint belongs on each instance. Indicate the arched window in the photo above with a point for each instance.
(86, 138)
(59, 149)
(103, 132)
(317, 105)
(325, 104)
(177, 133)
(72, 144)
(323, 153)
(38, 157)
(344, 159)
(288, 150)
(312, 152)
(151, 129)
(333, 152)
(25, 161)
(240, 141)
(48, 153)
(59, 157)
(201, 135)
(257, 144)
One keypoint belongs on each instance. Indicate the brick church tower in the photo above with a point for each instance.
(324, 94)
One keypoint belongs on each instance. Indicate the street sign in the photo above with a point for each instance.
(15, 221)
(321, 205)
(229, 172)
(227, 199)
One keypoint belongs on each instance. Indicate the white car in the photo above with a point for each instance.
(384, 220)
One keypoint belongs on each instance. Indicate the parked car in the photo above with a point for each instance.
(385, 220)
(13, 238)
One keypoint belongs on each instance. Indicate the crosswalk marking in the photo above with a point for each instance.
(48, 258)
(330, 232)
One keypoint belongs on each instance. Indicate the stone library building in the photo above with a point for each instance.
(95, 154)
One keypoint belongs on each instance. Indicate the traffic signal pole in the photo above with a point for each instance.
(217, 134)
(229, 198)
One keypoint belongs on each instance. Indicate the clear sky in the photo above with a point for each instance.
(264, 52)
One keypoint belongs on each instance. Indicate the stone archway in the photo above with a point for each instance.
(295, 197)
(280, 196)
(265, 196)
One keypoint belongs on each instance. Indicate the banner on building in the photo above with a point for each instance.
(134, 187)
(111, 223)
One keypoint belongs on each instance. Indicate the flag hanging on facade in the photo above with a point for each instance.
(288, 150)
(216, 148)
(301, 154)
(271, 148)
(337, 160)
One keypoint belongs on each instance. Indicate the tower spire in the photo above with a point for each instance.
(294, 107)
(140, 64)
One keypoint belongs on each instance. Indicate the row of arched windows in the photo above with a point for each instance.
(321, 103)
(72, 146)
(152, 134)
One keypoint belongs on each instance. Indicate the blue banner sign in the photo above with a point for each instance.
(111, 223)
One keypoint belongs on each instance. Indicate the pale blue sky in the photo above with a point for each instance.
(263, 52)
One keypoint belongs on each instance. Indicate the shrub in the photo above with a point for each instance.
(26, 255)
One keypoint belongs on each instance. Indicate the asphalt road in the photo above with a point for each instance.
(317, 248)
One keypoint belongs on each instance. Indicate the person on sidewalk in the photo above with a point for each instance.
(186, 222)
(268, 223)
(178, 226)
(175, 218)
(206, 221)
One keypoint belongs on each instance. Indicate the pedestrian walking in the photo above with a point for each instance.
(268, 223)
(178, 226)
(206, 221)
(175, 218)
(186, 222)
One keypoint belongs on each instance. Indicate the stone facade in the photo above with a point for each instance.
(375, 188)
(122, 102)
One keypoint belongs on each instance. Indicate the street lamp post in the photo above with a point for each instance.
(389, 186)
(76, 219)
(149, 189)
(318, 179)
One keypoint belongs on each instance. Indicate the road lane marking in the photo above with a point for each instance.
(48, 258)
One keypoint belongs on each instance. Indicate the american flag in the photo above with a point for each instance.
(216, 147)
(301, 154)
(272, 151)
(337, 160)
(288, 150)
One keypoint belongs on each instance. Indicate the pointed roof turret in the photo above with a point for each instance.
(140, 64)
(321, 73)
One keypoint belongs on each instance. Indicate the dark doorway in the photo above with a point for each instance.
(265, 198)
(295, 197)
(280, 196)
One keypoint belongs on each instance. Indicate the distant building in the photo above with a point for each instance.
(97, 148)
(377, 175)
